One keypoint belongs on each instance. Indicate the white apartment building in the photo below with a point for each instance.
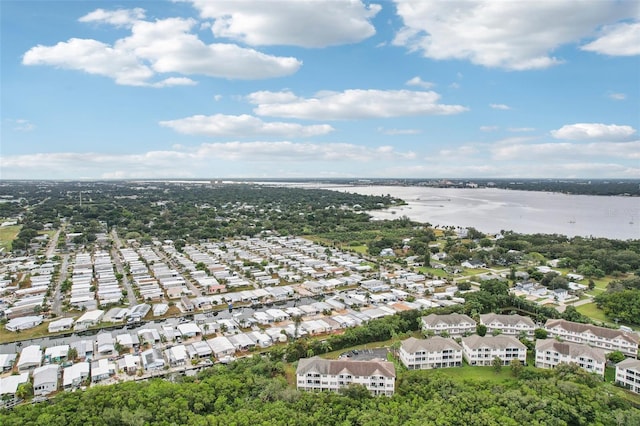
(550, 353)
(511, 325)
(316, 374)
(435, 352)
(481, 350)
(607, 339)
(628, 374)
(453, 324)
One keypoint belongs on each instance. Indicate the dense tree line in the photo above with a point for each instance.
(255, 392)
(621, 301)
(188, 211)
(592, 257)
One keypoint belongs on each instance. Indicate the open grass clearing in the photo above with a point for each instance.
(469, 372)
(32, 333)
(592, 311)
(8, 234)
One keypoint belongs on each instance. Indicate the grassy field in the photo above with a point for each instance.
(434, 271)
(592, 311)
(9, 336)
(7, 235)
(486, 374)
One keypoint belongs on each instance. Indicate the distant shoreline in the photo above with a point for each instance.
(597, 187)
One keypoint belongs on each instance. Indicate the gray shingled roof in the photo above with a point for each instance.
(510, 320)
(495, 342)
(449, 319)
(608, 333)
(433, 344)
(355, 368)
(574, 350)
(630, 363)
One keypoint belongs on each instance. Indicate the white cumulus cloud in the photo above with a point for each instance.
(222, 159)
(617, 96)
(351, 104)
(305, 23)
(21, 125)
(513, 35)
(242, 126)
(567, 151)
(607, 132)
(155, 48)
(118, 17)
(617, 40)
(500, 106)
(417, 81)
(394, 132)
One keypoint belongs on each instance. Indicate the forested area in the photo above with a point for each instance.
(591, 257)
(187, 212)
(621, 301)
(254, 391)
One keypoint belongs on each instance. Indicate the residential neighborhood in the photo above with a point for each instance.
(123, 309)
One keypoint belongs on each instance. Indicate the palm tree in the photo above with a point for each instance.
(297, 319)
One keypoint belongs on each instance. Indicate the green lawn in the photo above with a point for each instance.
(434, 271)
(8, 234)
(32, 333)
(592, 311)
(468, 372)
(362, 249)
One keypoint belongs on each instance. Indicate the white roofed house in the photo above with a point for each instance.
(30, 358)
(56, 354)
(88, 319)
(263, 318)
(60, 325)
(242, 342)
(199, 350)
(9, 386)
(550, 353)
(511, 325)
(221, 346)
(481, 351)
(84, 348)
(316, 374)
(229, 325)
(102, 369)
(260, 339)
(374, 286)
(176, 355)
(45, 379)
(7, 361)
(105, 344)
(24, 323)
(149, 336)
(435, 352)
(452, 324)
(73, 376)
(152, 359)
(189, 330)
(128, 341)
(628, 374)
(278, 315)
(129, 364)
(608, 339)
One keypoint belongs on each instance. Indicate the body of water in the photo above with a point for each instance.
(492, 210)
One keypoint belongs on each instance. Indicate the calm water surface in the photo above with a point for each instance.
(493, 210)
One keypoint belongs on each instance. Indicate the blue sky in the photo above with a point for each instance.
(296, 88)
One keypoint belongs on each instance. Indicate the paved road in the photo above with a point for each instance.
(53, 243)
(56, 302)
(115, 257)
(178, 267)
